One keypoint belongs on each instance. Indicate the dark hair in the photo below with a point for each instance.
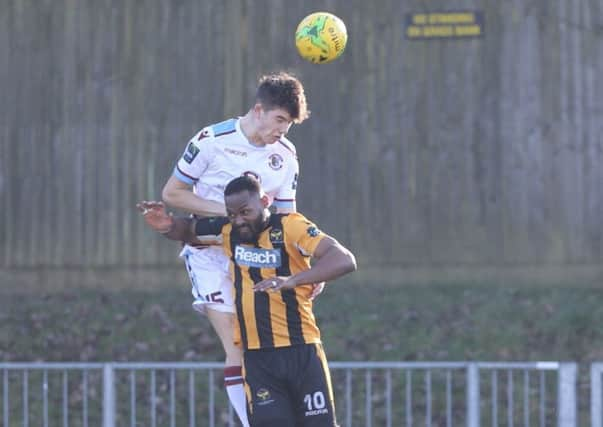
(243, 183)
(283, 90)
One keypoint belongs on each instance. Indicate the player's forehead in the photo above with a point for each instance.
(238, 201)
(279, 113)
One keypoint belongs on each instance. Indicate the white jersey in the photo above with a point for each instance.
(212, 158)
(221, 152)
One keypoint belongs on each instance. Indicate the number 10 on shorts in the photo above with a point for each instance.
(315, 404)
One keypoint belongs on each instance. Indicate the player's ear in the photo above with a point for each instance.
(257, 109)
(265, 200)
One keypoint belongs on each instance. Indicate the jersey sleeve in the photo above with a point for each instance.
(209, 230)
(196, 157)
(285, 197)
(303, 233)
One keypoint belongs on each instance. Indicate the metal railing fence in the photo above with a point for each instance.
(367, 394)
(596, 395)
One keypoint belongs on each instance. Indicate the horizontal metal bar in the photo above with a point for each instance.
(168, 365)
(542, 366)
(335, 365)
(51, 366)
(398, 365)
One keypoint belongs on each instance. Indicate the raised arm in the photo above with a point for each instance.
(179, 195)
(207, 231)
(331, 260)
(158, 219)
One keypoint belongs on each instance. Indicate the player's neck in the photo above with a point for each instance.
(248, 129)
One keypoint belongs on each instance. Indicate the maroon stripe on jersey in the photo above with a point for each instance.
(225, 133)
(284, 200)
(185, 174)
(287, 147)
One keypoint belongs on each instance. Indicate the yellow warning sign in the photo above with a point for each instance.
(438, 25)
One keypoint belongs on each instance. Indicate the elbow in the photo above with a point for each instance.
(352, 265)
(167, 196)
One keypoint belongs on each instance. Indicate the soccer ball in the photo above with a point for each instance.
(321, 37)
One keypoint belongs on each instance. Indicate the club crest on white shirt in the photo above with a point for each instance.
(275, 161)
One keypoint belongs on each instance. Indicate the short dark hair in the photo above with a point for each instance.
(243, 183)
(283, 90)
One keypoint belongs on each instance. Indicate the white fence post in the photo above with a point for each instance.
(567, 400)
(595, 395)
(473, 395)
(108, 395)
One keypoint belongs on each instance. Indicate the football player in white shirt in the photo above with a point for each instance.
(254, 144)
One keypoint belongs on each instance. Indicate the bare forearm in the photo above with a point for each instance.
(188, 201)
(182, 230)
(330, 266)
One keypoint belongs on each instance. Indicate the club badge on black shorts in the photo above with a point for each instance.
(263, 397)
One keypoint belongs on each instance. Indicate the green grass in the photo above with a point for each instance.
(358, 322)
(461, 323)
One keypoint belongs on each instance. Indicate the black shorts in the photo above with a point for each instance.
(289, 386)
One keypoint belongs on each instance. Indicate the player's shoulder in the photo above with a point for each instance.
(223, 128)
(286, 147)
(295, 219)
(216, 130)
(298, 225)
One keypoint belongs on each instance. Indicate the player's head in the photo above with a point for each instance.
(246, 206)
(279, 102)
(284, 91)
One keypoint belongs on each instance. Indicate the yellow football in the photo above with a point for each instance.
(321, 37)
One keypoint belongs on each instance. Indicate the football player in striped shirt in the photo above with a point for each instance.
(287, 379)
(254, 144)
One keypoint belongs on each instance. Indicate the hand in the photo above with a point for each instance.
(155, 216)
(274, 284)
(317, 289)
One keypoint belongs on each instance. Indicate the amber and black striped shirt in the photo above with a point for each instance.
(271, 319)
